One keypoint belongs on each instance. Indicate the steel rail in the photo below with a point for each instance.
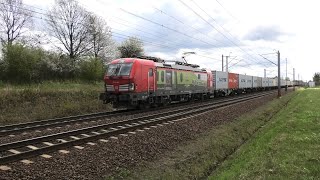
(22, 127)
(113, 129)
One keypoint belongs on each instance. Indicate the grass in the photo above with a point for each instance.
(197, 158)
(23, 103)
(286, 148)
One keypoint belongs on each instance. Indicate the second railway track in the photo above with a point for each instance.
(18, 150)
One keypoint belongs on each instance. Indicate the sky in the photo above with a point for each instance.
(250, 32)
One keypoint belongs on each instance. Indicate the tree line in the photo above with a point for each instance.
(82, 43)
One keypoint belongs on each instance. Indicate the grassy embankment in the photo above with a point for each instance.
(198, 158)
(287, 148)
(22, 103)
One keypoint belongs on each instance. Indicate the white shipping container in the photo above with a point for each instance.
(265, 82)
(275, 82)
(255, 81)
(259, 81)
(220, 80)
(245, 81)
(270, 82)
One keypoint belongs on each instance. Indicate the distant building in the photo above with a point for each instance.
(311, 84)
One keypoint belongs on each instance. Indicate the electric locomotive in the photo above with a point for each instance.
(147, 81)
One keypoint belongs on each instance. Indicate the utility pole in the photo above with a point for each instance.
(222, 62)
(286, 75)
(294, 87)
(227, 68)
(265, 73)
(279, 80)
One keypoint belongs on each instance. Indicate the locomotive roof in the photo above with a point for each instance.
(158, 64)
(176, 66)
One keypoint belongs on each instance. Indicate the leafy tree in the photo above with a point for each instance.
(131, 47)
(21, 63)
(13, 19)
(316, 78)
(92, 69)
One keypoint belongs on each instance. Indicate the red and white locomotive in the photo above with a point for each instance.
(138, 82)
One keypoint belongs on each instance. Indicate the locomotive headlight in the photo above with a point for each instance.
(131, 87)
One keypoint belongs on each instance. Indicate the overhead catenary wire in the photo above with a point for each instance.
(236, 20)
(159, 24)
(216, 28)
(228, 11)
(138, 30)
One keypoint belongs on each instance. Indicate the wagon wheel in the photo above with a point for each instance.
(144, 105)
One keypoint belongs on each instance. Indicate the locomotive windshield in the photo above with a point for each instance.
(119, 69)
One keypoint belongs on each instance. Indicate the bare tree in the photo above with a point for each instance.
(14, 17)
(100, 36)
(67, 22)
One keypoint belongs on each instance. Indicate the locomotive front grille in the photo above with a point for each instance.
(109, 87)
(124, 87)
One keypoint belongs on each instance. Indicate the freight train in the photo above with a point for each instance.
(147, 81)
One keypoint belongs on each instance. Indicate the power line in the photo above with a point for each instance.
(227, 11)
(215, 27)
(176, 31)
(181, 22)
(160, 45)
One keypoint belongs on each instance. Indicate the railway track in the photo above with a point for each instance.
(19, 150)
(58, 122)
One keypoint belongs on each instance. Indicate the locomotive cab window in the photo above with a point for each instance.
(157, 75)
(162, 76)
(181, 77)
(119, 69)
(150, 72)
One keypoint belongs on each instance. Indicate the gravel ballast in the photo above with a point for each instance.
(98, 161)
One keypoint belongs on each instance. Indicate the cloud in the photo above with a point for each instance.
(267, 33)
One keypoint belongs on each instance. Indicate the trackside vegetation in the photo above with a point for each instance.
(286, 148)
(198, 158)
(22, 103)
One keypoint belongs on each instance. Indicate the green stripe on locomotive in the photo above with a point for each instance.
(181, 80)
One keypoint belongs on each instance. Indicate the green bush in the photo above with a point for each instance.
(2, 70)
(55, 66)
(92, 69)
(21, 62)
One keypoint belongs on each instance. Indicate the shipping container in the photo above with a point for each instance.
(275, 82)
(271, 83)
(245, 81)
(257, 82)
(220, 80)
(233, 82)
(265, 82)
(259, 79)
(254, 81)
